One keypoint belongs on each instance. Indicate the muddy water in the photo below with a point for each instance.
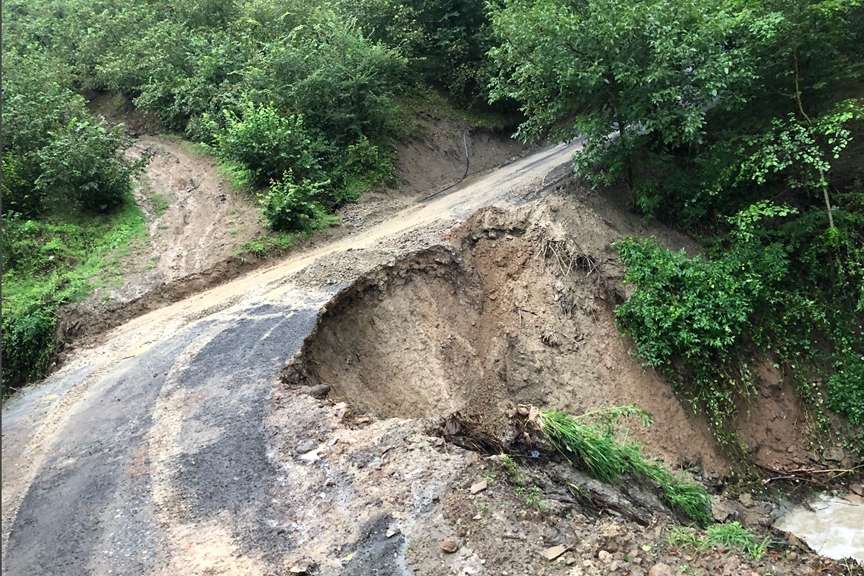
(835, 527)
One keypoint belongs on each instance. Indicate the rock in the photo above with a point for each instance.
(854, 499)
(660, 570)
(449, 545)
(604, 556)
(478, 487)
(746, 500)
(857, 489)
(723, 511)
(833, 454)
(555, 552)
(306, 446)
(302, 567)
(391, 532)
(320, 391)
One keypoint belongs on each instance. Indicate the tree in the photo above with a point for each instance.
(622, 73)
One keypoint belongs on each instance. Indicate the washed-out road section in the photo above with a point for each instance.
(120, 461)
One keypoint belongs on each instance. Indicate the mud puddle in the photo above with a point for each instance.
(832, 526)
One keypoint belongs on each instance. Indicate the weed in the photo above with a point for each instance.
(510, 467)
(731, 535)
(607, 460)
(160, 204)
(533, 497)
(264, 246)
(47, 264)
(734, 535)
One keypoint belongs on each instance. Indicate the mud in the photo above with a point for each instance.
(516, 309)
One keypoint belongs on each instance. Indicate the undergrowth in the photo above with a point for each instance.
(48, 263)
(594, 447)
(775, 284)
(276, 243)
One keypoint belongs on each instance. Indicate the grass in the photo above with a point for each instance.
(160, 204)
(48, 264)
(275, 243)
(533, 497)
(732, 535)
(605, 459)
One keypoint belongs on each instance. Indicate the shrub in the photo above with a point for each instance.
(293, 207)
(268, 145)
(28, 341)
(81, 167)
(688, 318)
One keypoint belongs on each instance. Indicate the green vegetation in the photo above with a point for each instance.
(48, 263)
(302, 99)
(66, 204)
(594, 447)
(731, 535)
(533, 497)
(736, 121)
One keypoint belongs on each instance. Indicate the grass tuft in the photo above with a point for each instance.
(731, 535)
(607, 460)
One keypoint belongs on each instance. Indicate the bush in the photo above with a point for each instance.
(690, 318)
(55, 156)
(28, 341)
(82, 168)
(268, 145)
(363, 165)
(291, 207)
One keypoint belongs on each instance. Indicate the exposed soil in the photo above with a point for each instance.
(197, 223)
(515, 309)
(518, 310)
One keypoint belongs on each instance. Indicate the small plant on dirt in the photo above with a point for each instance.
(266, 245)
(533, 496)
(731, 535)
(734, 535)
(684, 537)
(510, 467)
(160, 204)
(607, 460)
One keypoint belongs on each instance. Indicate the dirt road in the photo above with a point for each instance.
(150, 455)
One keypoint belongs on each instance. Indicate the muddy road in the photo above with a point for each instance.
(150, 453)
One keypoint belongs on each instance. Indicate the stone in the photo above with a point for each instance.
(306, 446)
(746, 500)
(660, 569)
(391, 532)
(302, 567)
(320, 391)
(604, 556)
(478, 487)
(450, 545)
(555, 552)
(854, 499)
(723, 511)
(833, 454)
(857, 489)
